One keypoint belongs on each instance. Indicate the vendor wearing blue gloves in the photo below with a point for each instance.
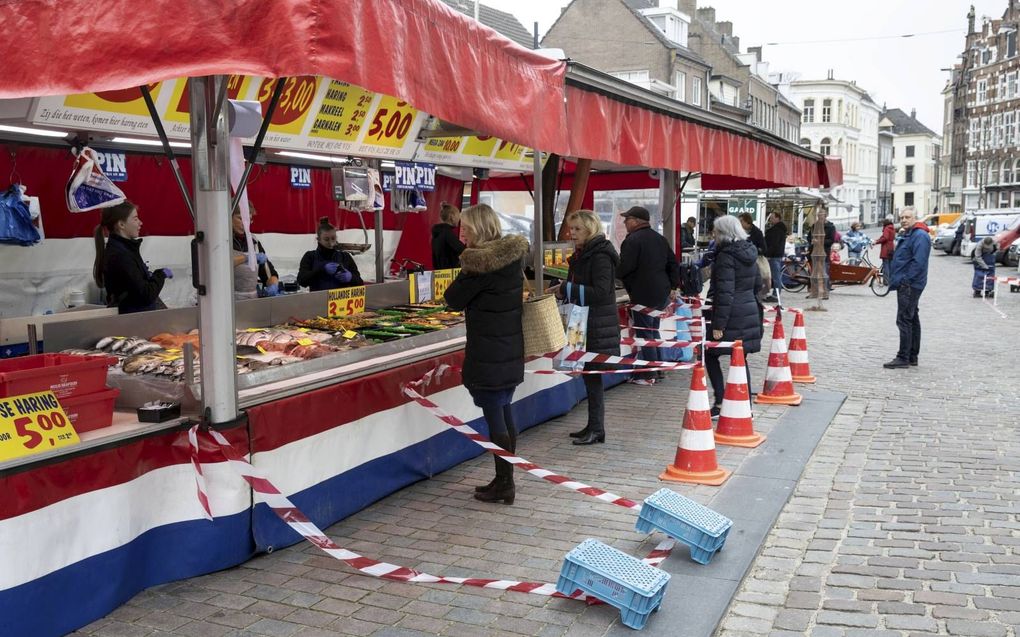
(326, 267)
(265, 274)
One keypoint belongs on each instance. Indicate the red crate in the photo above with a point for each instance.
(90, 411)
(66, 375)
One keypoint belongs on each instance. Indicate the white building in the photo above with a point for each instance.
(916, 157)
(840, 119)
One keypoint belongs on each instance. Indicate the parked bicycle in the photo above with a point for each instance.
(796, 274)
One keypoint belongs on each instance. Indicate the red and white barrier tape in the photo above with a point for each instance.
(203, 492)
(644, 342)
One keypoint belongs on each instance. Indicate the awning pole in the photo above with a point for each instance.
(168, 149)
(537, 246)
(667, 206)
(210, 151)
(380, 262)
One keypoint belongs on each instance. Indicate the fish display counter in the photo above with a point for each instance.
(324, 417)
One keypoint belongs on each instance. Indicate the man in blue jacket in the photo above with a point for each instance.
(909, 276)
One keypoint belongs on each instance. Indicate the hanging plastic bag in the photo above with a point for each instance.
(88, 188)
(575, 324)
(15, 220)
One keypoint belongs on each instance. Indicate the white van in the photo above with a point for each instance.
(985, 223)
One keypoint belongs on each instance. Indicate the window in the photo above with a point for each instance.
(997, 131)
(986, 56)
(982, 91)
(806, 143)
(826, 111)
(1007, 171)
(1011, 44)
(974, 137)
(696, 91)
(909, 151)
(1011, 85)
(986, 132)
(908, 199)
(809, 111)
(993, 173)
(825, 147)
(1000, 95)
(908, 177)
(681, 86)
(635, 77)
(972, 174)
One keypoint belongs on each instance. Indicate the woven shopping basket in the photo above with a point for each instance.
(543, 329)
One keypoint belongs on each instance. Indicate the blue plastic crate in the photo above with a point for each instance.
(616, 578)
(696, 525)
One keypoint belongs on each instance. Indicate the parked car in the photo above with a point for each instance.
(515, 224)
(1012, 257)
(945, 237)
(1004, 239)
(985, 223)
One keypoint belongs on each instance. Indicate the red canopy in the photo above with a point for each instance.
(636, 136)
(421, 51)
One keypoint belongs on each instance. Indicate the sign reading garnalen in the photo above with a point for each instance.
(409, 175)
(33, 423)
(345, 301)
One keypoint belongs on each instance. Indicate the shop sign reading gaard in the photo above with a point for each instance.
(314, 113)
(345, 301)
(33, 423)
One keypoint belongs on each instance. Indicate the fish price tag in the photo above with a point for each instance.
(345, 301)
(33, 423)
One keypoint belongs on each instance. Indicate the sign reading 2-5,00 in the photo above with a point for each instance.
(295, 100)
(346, 301)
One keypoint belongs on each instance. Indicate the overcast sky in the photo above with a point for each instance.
(900, 72)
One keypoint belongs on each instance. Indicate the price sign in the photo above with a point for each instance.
(510, 151)
(342, 112)
(346, 301)
(444, 144)
(295, 102)
(441, 279)
(421, 287)
(391, 123)
(180, 101)
(33, 423)
(480, 146)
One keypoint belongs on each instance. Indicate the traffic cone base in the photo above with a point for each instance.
(807, 380)
(695, 460)
(736, 422)
(792, 399)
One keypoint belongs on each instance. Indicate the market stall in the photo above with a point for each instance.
(334, 431)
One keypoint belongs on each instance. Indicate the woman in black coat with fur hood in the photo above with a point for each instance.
(733, 294)
(592, 278)
(490, 289)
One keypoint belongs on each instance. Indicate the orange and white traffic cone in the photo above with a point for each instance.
(800, 368)
(736, 425)
(778, 388)
(695, 460)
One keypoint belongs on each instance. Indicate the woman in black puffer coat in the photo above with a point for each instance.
(490, 290)
(593, 271)
(735, 313)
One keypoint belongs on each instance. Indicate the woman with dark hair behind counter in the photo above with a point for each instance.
(327, 267)
(119, 268)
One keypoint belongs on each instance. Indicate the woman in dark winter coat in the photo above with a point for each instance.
(984, 267)
(592, 275)
(326, 267)
(490, 290)
(119, 267)
(735, 313)
(446, 245)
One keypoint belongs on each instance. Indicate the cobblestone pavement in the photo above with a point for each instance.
(907, 518)
(905, 521)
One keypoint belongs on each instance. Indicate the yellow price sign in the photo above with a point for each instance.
(33, 423)
(480, 146)
(441, 279)
(345, 301)
(342, 112)
(295, 102)
(391, 123)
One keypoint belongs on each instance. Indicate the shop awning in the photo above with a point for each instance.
(608, 119)
(421, 51)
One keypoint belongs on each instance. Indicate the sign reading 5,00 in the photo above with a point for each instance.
(346, 301)
(33, 423)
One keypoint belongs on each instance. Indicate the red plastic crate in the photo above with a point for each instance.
(90, 411)
(66, 375)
